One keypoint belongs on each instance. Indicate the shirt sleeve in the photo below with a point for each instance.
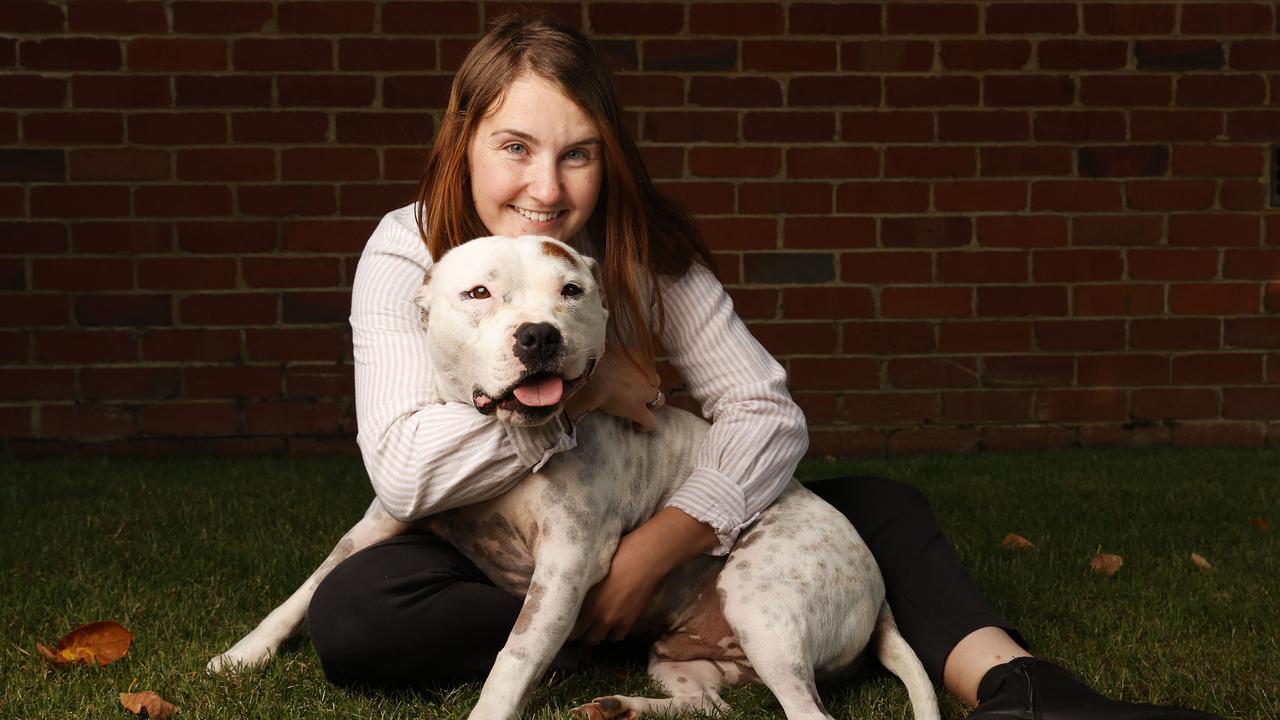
(423, 455)
(758, 434)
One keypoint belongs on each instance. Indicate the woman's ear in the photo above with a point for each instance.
(422, 298)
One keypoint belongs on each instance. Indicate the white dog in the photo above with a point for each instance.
(799, 598)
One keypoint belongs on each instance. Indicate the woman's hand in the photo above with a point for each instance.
(644, 556)
(619, 388)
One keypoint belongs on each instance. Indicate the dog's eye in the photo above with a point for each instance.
(571, 291)
(478, 292)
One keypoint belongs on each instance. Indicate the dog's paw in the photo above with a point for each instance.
(605, 708)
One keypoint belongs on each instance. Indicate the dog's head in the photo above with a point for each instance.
(514, 325)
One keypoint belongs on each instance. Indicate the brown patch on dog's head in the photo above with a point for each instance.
(554, 250)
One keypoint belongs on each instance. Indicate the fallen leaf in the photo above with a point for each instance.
(95, 644)
(1016, 542)
(1198, 560)
(1260, 524)
(147, 704)
(1106, 564)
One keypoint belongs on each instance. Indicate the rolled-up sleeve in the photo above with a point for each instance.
(758, 434)
(423, 455)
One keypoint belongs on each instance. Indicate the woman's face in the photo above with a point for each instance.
(535, 162)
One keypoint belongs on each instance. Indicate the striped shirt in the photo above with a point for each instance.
(424, 455)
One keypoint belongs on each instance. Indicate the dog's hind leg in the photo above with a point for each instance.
(256, 648)
(694, 686)
(898, 658)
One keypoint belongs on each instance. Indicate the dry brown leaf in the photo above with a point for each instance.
(94, 644)
(147, 704)
(1198, 560)
(1260, 524)
(1016, 542)
(1106, 564)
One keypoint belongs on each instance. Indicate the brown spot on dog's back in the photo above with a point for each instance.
(554, 250)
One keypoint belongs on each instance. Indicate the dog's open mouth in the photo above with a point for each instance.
(537, 393)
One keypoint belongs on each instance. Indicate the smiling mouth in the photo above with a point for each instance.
(536, 216)
(534, 394)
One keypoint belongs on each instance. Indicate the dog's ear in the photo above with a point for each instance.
(422, 298)
(597, 272)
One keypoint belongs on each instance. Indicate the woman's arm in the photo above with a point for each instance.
(423, 455)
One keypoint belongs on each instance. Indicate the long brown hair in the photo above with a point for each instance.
(635, 229)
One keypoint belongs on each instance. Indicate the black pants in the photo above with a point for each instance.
(413, 612)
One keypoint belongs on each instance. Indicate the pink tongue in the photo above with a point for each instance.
(540, 393)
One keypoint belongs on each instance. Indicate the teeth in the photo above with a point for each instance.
(537, 216)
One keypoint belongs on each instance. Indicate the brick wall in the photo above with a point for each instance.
(960, 225)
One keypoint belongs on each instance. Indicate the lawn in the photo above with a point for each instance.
(190, 554)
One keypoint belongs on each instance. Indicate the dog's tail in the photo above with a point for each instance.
(898, 657)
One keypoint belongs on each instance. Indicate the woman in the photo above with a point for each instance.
(533, 142)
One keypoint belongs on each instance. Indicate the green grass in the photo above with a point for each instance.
(189, 555)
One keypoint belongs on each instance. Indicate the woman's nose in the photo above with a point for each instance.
(545, 185)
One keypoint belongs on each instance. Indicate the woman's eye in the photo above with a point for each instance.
(577, 155)
(517, 149)
(571, 291)
(478, 292)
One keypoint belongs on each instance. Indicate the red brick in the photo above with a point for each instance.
(231, 164)
(1079, 126)
(280, 127)
(293, 417)
(283, 272)
(1169, 194)
(1077, 266)
(892, 408)
(928, 373)
(137, 310)
(917, 162)
(190, 345)
(31, 91)
(243, 381)
(408, 164)
(329, 164)
(936, 302)
(33, 165)
(317, 308)
(977, 55)
(1128, 161)
(1129, 19)
(186, 273)
(326, 90)
(296, 344)
(888, 337)
(884, 267)
(1021, 231)
(983, 126)
(784, 198)
(982, 267)
(1174, 403)
(1217, 161)
(1121, 370)
(892, 126)
(828, 90)
(26, 237)
(204, 16)
(927, 439)
(1126, 90)
(325, 17)
(1027, 371)
(734, 92)
(1046, 18)
(985, 336)
(70, 54)
(787, 338)
(1028, 90)
(883, 197)
(931, 19)
(986, 406)
(830, 162)
(706, 126)
(87, 421)
(789, 126)
(1220, 90)
(386, 54)
(835, 303)
(980, 196)
(1252, 332)
(85, 346)
(828, 231)
(82, 274)
(734, 162)
(873, 56)
(639, 19)
(1252, 264)
(1023, 161)
(1167, 264)
(934, 231)
(12, 202)
(345, 236)
(1118, 299)
(818, 408)
(833, 373)
(1214, 299)
(73, 128)
(37, 384)
(1082, 55)
(319, 381)
(434, 19)
(1079, 405)
(1218, 368)
(235, 237)
(188, 128)
(701, 197)
(149, 383)
(1076, 195)
(1258, 403)
(788, 56)
(664, 91)
(1255, 55)
(1243, 195)
(1011, 301)
(38, 310)
(931, 91)
(755, 304)
(1175, 334)
(374, 200)
(1225, 18)
(701, 55)
(223, 90)
(1117, 230)
(17, 422)
(31, 16)
(181, 201)
(734, 233)
(1214, 229)
(258, 54)
(733, 19)
(834, 18)
(229, 309)
(1079, 335)
(1179, 54)
(79, 201)
(286, 200)
(187, 419)
(1164, 126)
(1027, 437)
(119, 164)
(1248, 125)
(182, 55)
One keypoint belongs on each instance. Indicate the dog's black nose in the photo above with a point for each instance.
(536, 343)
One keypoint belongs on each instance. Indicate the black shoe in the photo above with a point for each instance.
(1031, 689)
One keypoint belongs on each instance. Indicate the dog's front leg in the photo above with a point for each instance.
(562, 575)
